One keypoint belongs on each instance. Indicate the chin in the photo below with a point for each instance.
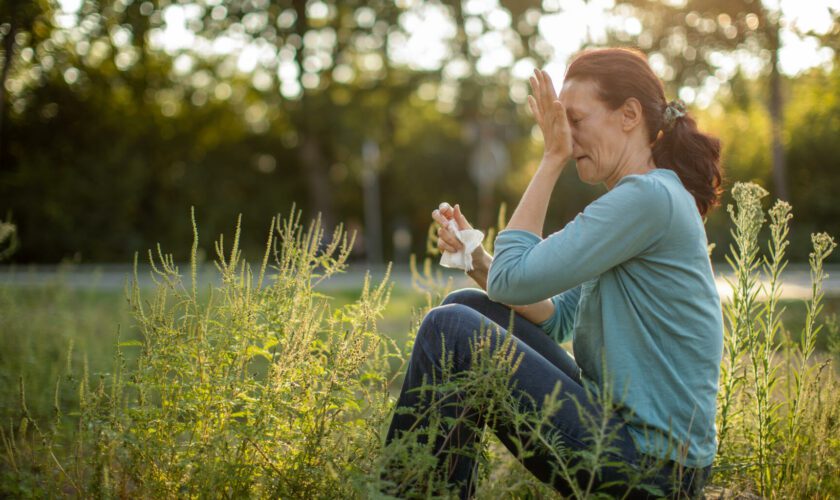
(585, 176)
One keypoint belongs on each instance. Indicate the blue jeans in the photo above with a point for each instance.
(544, 364)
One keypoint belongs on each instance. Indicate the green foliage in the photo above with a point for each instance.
(742, 122)
(688, 37)
(165, 138)
(49, 333)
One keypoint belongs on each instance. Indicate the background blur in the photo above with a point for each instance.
(117, 116)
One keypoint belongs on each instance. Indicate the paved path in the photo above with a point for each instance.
(796, 279)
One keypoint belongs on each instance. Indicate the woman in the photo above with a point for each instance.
(628, 280)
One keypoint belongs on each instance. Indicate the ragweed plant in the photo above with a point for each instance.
(770, 386)
(747, 220)
(763, 346)
(254, 387)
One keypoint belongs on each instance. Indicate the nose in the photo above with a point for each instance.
(575, 146)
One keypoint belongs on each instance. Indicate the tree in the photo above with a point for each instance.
(691, 41)
(342, 60)
(24, 24)
(813, 128)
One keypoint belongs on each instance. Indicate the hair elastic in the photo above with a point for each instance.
(674, 110)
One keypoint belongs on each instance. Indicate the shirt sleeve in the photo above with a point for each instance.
(560, 324)
(623, 223)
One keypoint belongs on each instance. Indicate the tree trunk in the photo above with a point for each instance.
(317, 180)
(310, 149)
(777, 118)
(8, 54)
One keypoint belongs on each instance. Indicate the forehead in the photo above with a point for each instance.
(578, 95)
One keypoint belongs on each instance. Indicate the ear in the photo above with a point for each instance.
(631, 114)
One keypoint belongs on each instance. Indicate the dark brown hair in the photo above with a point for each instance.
(622, 73)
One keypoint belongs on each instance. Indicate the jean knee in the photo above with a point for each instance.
(447, 325)
(466, 296)
(440, 319)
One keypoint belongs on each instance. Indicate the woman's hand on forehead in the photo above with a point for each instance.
(551, 117)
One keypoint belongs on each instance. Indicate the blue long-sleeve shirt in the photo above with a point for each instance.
(632, 287)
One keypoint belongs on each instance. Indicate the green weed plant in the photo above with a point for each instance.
(778, 407)
(262, 390)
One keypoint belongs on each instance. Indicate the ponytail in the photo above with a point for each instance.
(695, 157)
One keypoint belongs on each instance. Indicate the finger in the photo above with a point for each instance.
(439, 218)
(444, 247)
(559, 108)
(535, 89)
(446, 210)
(546, 88)
(532, 103)
(450, 239)
(560, 111)
(550, 86)
(539, 90)
(446, 239)
(460, 219)
(535, 80)
(457, 246)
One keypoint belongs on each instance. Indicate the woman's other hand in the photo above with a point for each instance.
(447, 240)
(551, 117)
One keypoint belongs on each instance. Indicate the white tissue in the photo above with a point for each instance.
(462, 259)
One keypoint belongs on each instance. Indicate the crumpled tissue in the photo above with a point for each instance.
(462, 259)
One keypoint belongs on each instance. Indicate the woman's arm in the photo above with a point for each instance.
(551, 117)
(530, 213)
(535, 313)
(623, 223)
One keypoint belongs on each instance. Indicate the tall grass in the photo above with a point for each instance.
(260, 386)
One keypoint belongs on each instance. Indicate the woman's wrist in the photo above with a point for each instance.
(554, 161)
(481, 266)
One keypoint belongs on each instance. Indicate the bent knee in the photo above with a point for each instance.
(443, 320)
(466, 296)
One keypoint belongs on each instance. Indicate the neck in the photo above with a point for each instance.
(638, 162)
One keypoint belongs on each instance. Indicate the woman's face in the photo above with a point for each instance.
(598, 140)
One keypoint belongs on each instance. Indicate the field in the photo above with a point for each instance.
(282, 390)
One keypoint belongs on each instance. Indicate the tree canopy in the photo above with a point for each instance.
(116, 117)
